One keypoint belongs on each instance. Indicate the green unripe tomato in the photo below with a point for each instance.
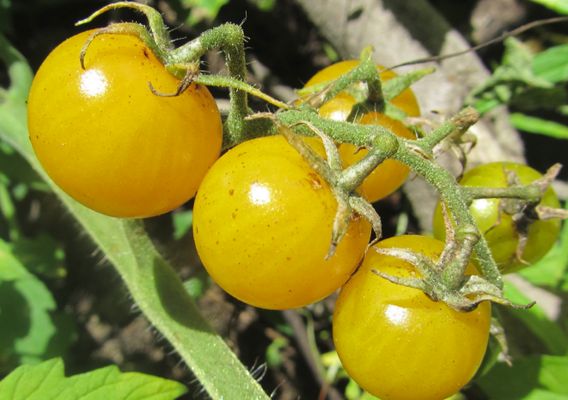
(497, 226)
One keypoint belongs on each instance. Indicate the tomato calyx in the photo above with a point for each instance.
(472, 290)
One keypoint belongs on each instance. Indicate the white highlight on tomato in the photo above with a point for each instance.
(93, 83)
(259, 194)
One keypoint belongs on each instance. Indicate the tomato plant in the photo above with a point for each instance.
(107, 140)
(397, 343)
(498, 226)
(262, 226)
(390, 174)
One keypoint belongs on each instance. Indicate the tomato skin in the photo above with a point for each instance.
(499, 230)
(398, 344)
(262, 227)
(107, 140)
(390, 174)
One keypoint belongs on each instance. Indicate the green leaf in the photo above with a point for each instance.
(15, 169)
(549, 332)
(203, 9)
(536, 98)
(197, 285)
(41, 255)
(552, 270)
(560, 6)
(152, 282)
(182, 221)
(551, 64)
(264, 5)
(510, 79)
(28, 316)
(539, 126)
(395, 86)
(47, 381)
(533, 378)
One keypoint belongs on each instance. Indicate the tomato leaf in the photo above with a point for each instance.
(47, 381)
(552, 270)
(539, 126)
(551, 64)
(203, 9)
(14, 169)
(41, 255)
(32, 329)
(511, 78)
(549, 332)
(560, 6)
(534, 378)
(264, 5)
(182, 221)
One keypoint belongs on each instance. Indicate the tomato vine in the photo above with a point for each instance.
(250, 182)
(464, 241)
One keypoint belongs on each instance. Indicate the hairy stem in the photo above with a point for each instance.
(451, 193)
(230, 39)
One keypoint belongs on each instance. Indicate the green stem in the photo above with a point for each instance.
(384, 146)
(341, 132)
(230, 39)
(157, 27)
(455, 126)
(366, 71)
(451, 193)
(529, 193)
(229, 82)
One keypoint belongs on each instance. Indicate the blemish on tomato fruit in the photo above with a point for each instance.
(145, 51)
(231, 192)
(315, 180)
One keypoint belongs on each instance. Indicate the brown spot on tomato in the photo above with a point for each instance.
(145, 52)
(231, 192)
(315, 180)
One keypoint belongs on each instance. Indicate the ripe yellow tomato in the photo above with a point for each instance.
(398, 344)
(497, 226)
(390, 174)
(262, 226)
(107, 140)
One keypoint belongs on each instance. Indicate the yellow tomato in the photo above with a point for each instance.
(107, 140)
(262, 227)
(398, 344)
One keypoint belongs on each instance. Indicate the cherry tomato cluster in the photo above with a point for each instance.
(263, 217)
